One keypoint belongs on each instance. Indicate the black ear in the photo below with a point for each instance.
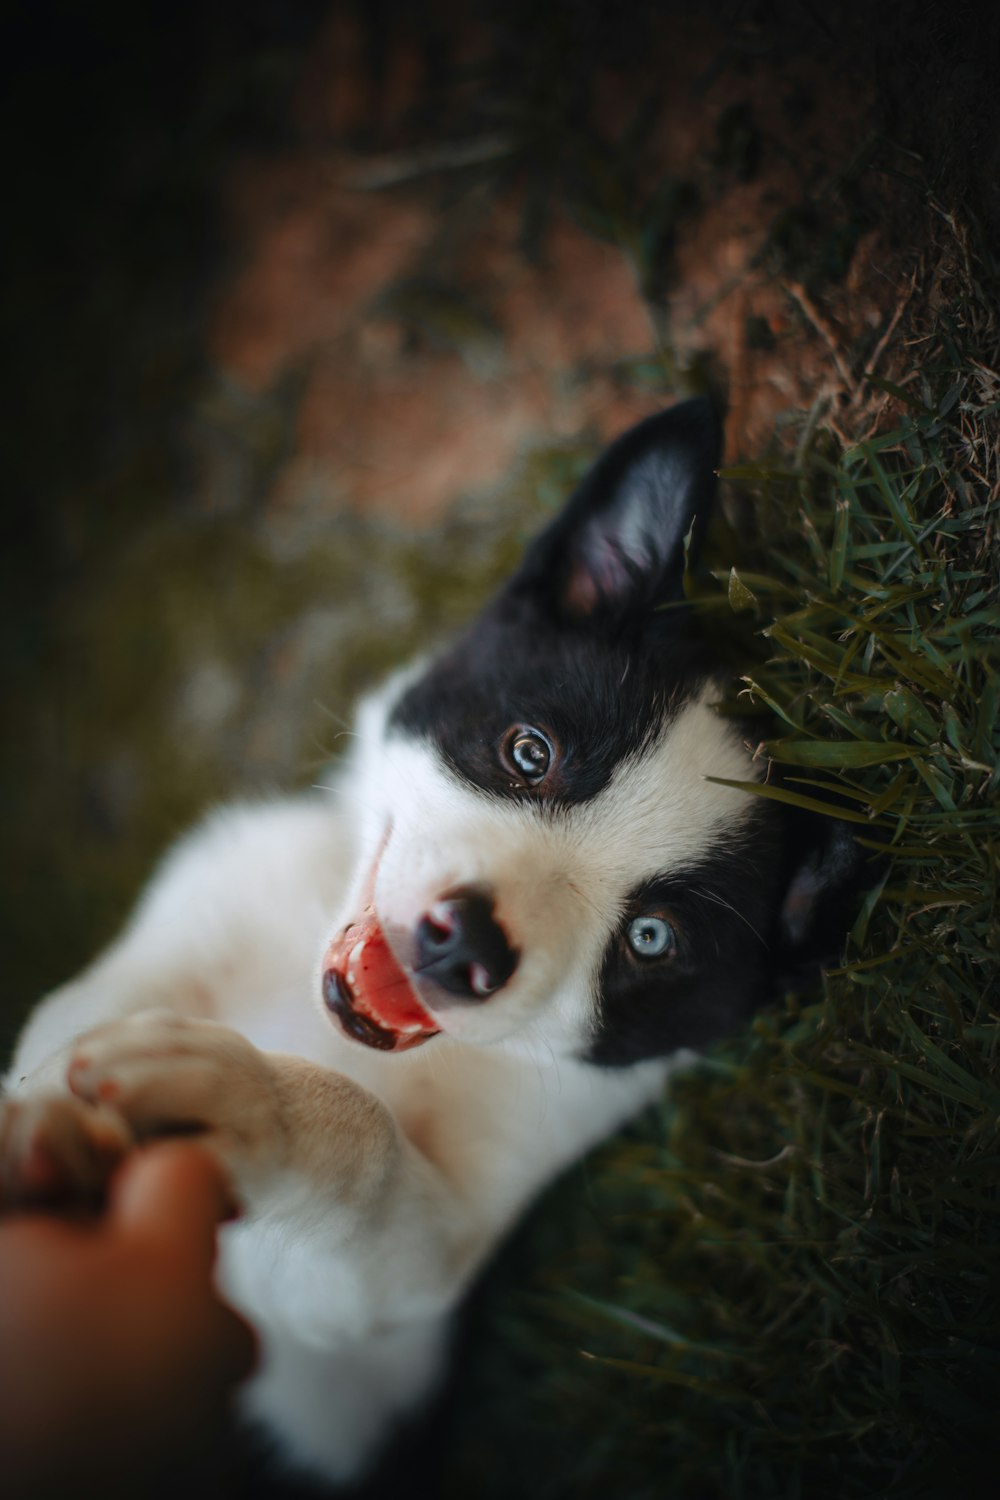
(827, 875)
(618, 546)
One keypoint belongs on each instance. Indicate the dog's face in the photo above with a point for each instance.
(545, 861)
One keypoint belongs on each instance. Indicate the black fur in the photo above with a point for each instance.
(598, 699)
(574, 644)
(759, 915)
(723, 910)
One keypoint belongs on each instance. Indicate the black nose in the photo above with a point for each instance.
(462, 947)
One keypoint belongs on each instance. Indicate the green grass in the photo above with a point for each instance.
(787, 1283)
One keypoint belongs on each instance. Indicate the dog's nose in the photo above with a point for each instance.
(462, 947)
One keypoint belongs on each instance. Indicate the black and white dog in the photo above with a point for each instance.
(397, 1011)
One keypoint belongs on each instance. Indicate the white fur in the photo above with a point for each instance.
(375, 1184)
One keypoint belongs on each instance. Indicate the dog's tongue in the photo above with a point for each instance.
(367, 988)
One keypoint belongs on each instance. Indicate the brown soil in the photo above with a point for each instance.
(432, 351)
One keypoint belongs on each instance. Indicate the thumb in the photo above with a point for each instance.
(175, 1192)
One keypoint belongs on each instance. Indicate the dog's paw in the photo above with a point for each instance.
(167, 1075)
(58, 1150)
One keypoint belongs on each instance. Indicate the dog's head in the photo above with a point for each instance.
(544, 857)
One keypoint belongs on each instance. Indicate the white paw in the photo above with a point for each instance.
(55, 1149)
(167, 1074)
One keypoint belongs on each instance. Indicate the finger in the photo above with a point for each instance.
(175, 1192)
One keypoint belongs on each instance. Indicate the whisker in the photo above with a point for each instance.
(721, 901)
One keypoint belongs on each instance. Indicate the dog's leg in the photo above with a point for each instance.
(307, 1150)
(233, 919)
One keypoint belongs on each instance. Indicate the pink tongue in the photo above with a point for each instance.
(377, 985)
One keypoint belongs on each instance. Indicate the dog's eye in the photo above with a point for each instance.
(529, 753)
(651, 937)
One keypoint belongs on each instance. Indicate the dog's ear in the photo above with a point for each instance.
(619, 545)
(827, 874)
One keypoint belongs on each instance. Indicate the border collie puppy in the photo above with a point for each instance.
(396, 1011)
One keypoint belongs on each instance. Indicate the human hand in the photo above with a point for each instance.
(117, 1359)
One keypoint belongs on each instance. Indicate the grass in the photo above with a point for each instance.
(787, 1283)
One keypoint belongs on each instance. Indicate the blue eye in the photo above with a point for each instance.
(651, 937)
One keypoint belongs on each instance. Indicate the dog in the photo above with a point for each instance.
(397, 1008)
